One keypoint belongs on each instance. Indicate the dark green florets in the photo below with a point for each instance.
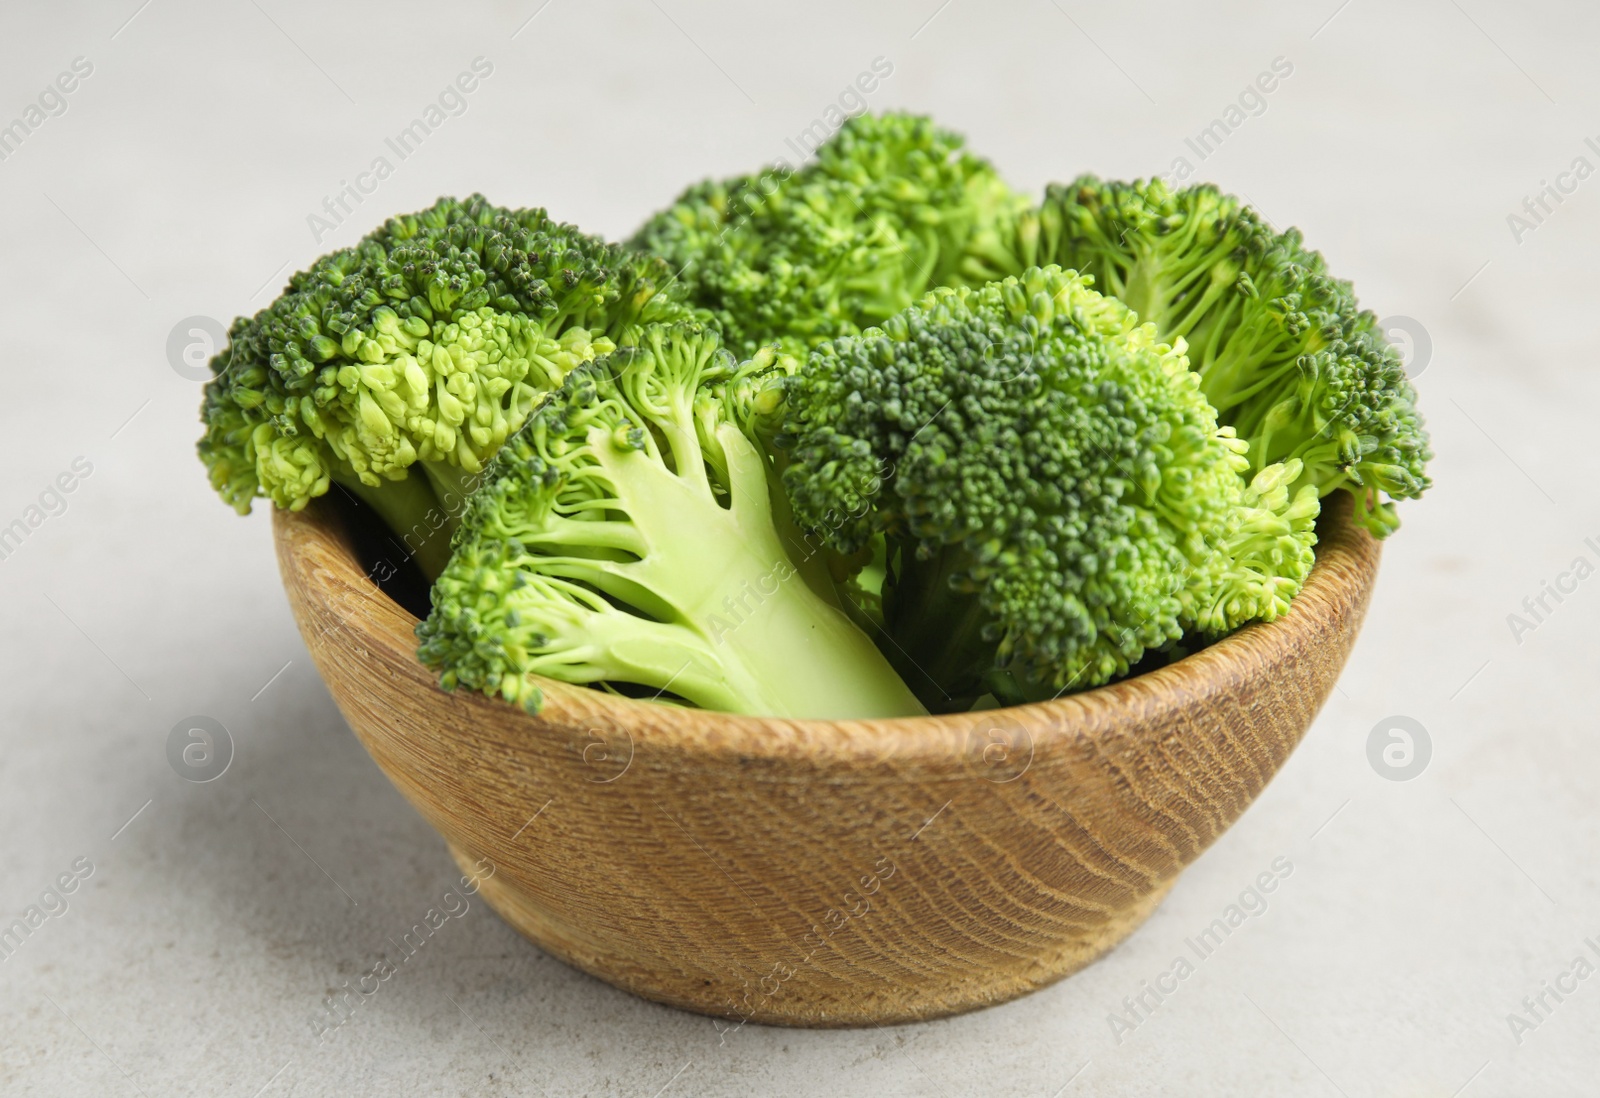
(1052, 490)
(891, 206)
(1284, 352)
(430, 340)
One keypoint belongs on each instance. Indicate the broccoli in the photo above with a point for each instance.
(889, 208)
(425, 345)
(626, 536)
(1283, 351)
(1035, 489)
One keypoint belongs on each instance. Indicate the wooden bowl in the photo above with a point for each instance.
(829, 873)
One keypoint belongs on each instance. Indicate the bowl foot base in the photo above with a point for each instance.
(669, 984)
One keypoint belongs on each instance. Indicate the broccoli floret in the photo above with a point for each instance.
(1037, 490)
(889, 208)
(424, 345)
(626, 536)
(1283, 351)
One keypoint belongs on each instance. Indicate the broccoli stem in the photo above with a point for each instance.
(411, 510)
(1175, 294)
(807, 548)
(422, 509)
(735, 626)
(451, 486)
(936, 632)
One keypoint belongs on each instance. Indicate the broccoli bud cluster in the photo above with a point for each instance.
(429, 341)
(1061, 497)
(891, 206)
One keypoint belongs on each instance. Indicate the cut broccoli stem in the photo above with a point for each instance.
(736, 627)
(410, 509)
(628, 537)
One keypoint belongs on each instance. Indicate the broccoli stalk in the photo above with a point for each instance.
(411, 508)
(422, 506)
(626, 536)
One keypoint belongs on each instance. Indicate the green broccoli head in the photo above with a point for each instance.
(626, 536)
(1052, 491)
(891, 206)
(1283, 351)
(427, 342)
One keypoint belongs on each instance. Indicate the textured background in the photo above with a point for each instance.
(178, 182)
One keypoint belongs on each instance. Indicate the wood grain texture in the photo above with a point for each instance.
(829, 873)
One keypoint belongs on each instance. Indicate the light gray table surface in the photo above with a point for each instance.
(179, 180)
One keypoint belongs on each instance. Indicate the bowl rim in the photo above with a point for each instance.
(316, 556)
